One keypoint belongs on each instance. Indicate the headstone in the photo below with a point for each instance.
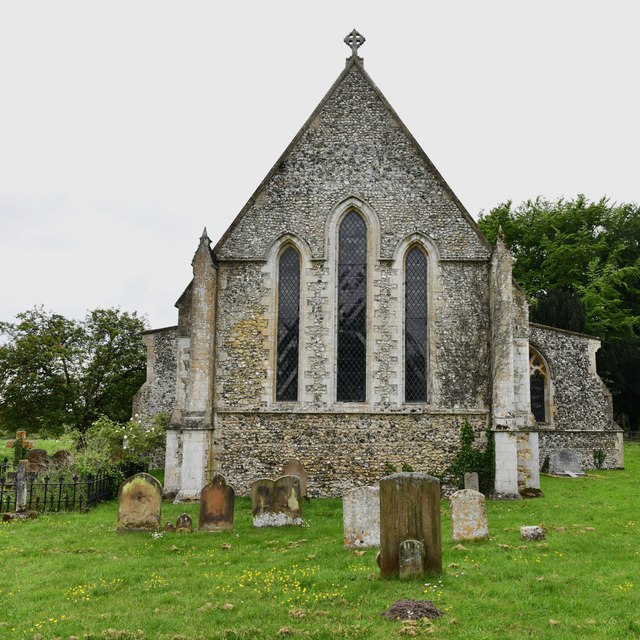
(361, 517)
(410, 559)
(535, 532)
(184, 523)
(21, 487)
(296, 468)
(38, 460)
(471, 481)
(139, 503)
(409, 510)
(565, 462)
(61, 458)
(468, 516)
(216, 505)
(276, 504)
(169, 527)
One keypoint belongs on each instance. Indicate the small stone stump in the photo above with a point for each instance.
(361, 517)
(468, 516)
(296, 468)
(184, 523)
(471, 481)
(276, 504)
(139, 503)
(216, 505)
(411, 559)
(535, 532)
(409, 510)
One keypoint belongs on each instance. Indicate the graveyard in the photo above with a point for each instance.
(75, 576)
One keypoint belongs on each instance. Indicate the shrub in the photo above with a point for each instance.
(469, 460)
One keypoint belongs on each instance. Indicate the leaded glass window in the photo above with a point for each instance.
(538, 386)
(352, 309)
(415, 326)
(288, 325)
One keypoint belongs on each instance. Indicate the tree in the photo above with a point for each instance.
(573, 254)
(57, 373)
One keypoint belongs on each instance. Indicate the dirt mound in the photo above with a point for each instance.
(412, 610)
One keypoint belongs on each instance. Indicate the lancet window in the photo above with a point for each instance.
(539, 386)
(288, 325)
(415, 326)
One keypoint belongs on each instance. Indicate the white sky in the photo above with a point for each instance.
(126, 127)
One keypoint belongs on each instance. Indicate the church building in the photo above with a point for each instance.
(353, 317)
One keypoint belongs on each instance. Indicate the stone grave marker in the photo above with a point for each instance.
(410, 559)
(139, 503)
(409, 510)
(21, 487)
(184, 523)
(565, 462)
(533, 532)
(468, 516)
(169, 527)
(61, 458)
(361, 517)
(276, 504)
(296, 468)
(38, 460)
(216, 505)
(471, 481)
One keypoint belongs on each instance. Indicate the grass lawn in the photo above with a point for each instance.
(73, 575)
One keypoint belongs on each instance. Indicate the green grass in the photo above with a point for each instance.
(65, 575)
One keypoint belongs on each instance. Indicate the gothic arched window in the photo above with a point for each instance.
(538, 382)
(352, 309)
(288, 325)
(415, 326)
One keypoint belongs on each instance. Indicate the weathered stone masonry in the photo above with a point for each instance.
(354, 154)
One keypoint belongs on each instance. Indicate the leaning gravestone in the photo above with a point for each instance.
(471, 481)
(565, 463)
(409, 510)
(216, 505)
(276, 504)
(38, 460)
(139, 503)
(361, 517)
(468, 516)
(61, 458)
(296, 468)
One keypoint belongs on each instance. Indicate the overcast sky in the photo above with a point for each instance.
(126, 127)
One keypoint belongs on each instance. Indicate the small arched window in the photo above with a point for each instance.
(415, 326)
(538, 382)
(352, 309)
(288, 325)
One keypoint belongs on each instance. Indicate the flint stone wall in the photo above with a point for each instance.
(584, 443)
(339, 451)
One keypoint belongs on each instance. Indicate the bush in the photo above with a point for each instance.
(469, 460)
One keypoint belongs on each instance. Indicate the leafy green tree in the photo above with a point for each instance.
(577, 253)
(57, 373)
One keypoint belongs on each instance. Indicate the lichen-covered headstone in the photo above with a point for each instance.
(169, 527)
(534, 532)
(410, 559)
(139, 503)
(216, 505)
(38, 460)
(409, 510)
(184, 523)
(361, 517)
(296, 468)
(276, 504)
(468, 516)
(471, 481)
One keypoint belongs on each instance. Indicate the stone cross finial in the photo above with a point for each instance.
(354, 40)
(20, 439)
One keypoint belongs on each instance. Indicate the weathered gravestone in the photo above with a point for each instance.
(533, 532)
(296, 468)
(184, 523)
(410, 559)
(471, 481)
(565, 463)
(38, 460)
(21, 487)
(169, 527)
(216, 505)
(61, 458)
(276, 504)
(409, 510)
(468, 516)
(361, 517)
(139, 503)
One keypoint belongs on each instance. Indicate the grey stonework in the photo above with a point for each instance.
(354, 153)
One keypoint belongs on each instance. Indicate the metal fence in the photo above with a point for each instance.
(632, 436)
(51, 495)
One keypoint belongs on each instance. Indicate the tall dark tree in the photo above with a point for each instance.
(56, 372)
(565, 249)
